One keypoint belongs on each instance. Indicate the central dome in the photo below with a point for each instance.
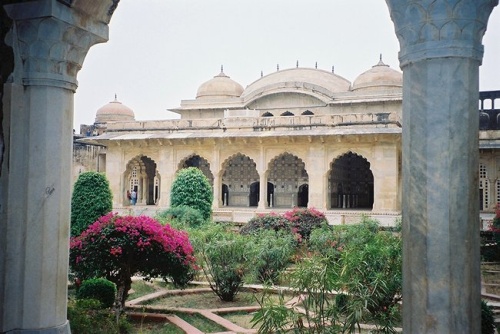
(305, 80)
(221, 86)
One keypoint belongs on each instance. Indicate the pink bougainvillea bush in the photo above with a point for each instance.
(119, 247)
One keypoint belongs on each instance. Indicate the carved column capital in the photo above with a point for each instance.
(440, 28)
(52, 43)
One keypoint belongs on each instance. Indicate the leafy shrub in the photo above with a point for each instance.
(90, 200)
(191, 188)
(99, 289)
(298, 221)
(303, 221)
(87, 317)
(326, 241)
(371, 264)
(487, 319)
(272, 255)
(366, 268)
(182, 215)
(271, 221)
(118, 247)
(227, 258)
(313, 282)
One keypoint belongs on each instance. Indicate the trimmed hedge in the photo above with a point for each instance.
(191, 188)
(99, 289)
(91, 199)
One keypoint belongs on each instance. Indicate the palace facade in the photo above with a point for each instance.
(300, 137)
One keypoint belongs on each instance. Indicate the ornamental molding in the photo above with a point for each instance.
(52, 43)
(440, 28)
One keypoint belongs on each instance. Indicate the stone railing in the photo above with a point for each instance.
(260, 123)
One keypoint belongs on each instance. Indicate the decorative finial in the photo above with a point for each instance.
(261, 74)
(116, 98)
(333, 69)
(297, 65)
(380, 62)
(277, 67)
(316, 65)
(222, 69)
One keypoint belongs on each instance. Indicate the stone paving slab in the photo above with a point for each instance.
(225, 323)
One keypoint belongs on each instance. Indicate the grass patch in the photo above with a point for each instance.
(203, 324)
(141, 288)
(208, 300)
(242, 319)
(150, 327)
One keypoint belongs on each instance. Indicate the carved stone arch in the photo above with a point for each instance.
(240, 181)
(267, 114)
(196, 160)
(225, 158)
(350, 182)
(288, 173)
(287, 113)
(141, 175)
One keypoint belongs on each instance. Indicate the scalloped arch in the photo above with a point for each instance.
(206, 171)
(232, 156)
(271, 162)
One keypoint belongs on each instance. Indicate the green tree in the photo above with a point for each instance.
(192, 188)
(91, 199)
(225, 258)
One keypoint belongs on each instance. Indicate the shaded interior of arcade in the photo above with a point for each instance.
(350, 181)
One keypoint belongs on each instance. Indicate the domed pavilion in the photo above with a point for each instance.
(298, 137)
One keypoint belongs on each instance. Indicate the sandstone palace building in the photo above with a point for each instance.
(300, 137)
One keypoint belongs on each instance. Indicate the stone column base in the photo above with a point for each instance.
(61, 329)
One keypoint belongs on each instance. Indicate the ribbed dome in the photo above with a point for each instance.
(114, 111)
(378, 77)
(221, 86)
(298, 79)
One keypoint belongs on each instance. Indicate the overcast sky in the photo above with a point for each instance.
(160, 51)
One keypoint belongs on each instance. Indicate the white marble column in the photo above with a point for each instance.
(49, 46)
(262, 190)
(216, 203)
(440, 55)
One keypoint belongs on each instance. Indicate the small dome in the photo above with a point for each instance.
(114, 111)
(380, 76)
(221, 86)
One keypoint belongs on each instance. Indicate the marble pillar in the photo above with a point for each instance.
(262, 190)
(217, 187)
(49, 41)
(440, 55)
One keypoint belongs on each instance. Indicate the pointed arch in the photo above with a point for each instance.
(240, 181)
(141, 175)
(307, 113)
(287, 113)
(267, 114)
(287, 173)
(195, 160)
(350, 182)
